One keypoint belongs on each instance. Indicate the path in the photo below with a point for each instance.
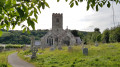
(15, 61)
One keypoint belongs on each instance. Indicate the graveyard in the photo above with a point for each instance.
(60, 33)
(104, 55)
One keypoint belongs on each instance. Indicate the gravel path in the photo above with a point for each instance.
(15, 61)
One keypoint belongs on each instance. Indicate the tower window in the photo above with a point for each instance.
(57, 20)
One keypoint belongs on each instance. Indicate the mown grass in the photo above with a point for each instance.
(4, 58)
(105, 55)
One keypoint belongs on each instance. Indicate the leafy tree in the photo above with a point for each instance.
(105, 36)
(75, 33)
(97, 30)
(115, 34)
(96, 36)
(14, 12)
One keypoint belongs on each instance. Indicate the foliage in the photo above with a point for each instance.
(94, 4)
(3, 58)
(105, 36)
(14, 46)
(103, 56)
(75, 33)
(18, 37)
(15, 12)
(97, 30)
(115, 34)
(1, 47)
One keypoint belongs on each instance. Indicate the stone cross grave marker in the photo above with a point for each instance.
(32, 42)
(85, 51)
(34, 51)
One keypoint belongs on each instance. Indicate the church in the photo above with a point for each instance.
(57, 36)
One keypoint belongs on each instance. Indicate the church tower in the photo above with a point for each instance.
(57, 21)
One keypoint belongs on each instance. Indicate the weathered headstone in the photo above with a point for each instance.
(52, 48)
(34, 51)
(85, 51)
(37, 43)
(59, 48)
(70, 48)
(96, 43)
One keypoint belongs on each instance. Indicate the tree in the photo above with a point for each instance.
(96, 35)
(75, 33)
(15, 12)
(105, 36)
(97, 30)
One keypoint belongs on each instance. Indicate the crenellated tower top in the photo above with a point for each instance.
(57, 21)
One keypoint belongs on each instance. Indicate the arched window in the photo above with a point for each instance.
(57, 20)
(50, 40)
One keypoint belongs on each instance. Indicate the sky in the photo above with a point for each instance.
(78, 17)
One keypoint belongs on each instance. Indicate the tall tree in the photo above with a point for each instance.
(105, 36)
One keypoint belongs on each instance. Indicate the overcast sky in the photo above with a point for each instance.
(77, 17)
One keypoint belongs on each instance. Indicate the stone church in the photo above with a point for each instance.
(57, 35)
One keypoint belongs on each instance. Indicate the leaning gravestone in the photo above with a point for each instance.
(85, 51)
(34, 51)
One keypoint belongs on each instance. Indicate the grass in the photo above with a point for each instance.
(105, 55)
(4, 59)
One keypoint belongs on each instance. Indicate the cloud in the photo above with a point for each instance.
(77, 17)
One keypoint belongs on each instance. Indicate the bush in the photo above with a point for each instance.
(14, 46)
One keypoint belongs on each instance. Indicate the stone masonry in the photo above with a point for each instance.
(57, 36)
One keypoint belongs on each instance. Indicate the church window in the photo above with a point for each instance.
(57, 20)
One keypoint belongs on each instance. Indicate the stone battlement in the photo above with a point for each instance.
(57, 14)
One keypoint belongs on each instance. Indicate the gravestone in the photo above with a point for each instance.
(59, 48)
(52, 48)
(96, 43)
(37, 43)
(85, 51)
(70, 48)
(34, 51)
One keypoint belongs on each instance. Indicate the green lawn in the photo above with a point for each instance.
(3, 58)
(105, 55)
